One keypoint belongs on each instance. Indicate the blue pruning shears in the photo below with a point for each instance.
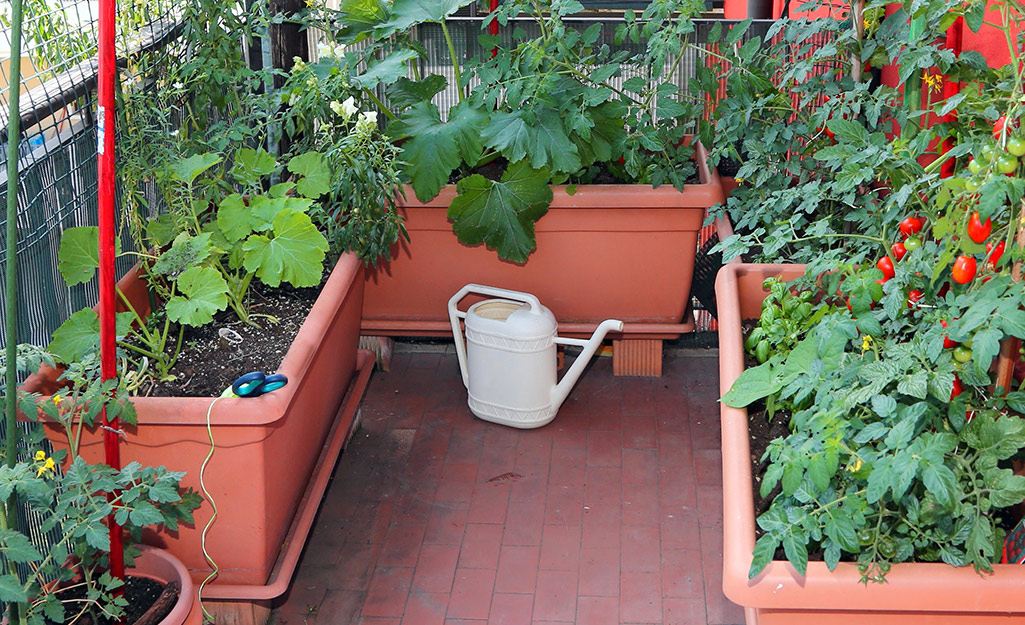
(255, 384)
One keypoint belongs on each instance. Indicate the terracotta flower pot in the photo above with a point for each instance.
(159, 565)
(267, 447)
(913, 592)
(607, 251)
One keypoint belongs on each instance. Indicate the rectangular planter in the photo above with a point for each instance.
(266, 447)
(607, 251)
(913, 592)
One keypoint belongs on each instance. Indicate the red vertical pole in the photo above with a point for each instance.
(105, 167)
(950, 89)
(493, 26)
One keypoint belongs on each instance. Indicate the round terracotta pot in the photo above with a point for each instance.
(159, 565)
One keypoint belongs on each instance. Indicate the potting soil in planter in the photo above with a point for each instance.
(598, 173)
(141, 593)
(216, 354)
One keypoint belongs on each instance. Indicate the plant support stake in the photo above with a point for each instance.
(9, 512)
(105, 167)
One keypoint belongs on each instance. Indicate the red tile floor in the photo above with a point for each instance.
(611, 514)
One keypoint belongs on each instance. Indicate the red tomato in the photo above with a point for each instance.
(978, 231)
(885, 265)
(898, 250)
(911, 225)
(914, 296)
(963, 271)
(947, 343)
(998, 251)
(998, 126)
(957, 390)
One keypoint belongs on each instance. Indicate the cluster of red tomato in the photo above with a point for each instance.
(910, 227)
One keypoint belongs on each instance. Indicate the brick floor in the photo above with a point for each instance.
(612, 514)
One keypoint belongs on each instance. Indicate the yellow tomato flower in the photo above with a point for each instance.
(853, 468)
(933, 81)
(47, 467)
(866, 343)
(57, 399)
(40, 455)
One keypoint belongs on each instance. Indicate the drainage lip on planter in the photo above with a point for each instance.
(779, 594)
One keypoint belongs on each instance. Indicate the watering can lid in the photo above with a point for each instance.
(522, 323)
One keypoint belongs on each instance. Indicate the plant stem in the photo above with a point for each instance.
(455, 60)
(380, 105)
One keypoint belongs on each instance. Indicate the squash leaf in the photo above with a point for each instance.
(203, 293)
(294, 253)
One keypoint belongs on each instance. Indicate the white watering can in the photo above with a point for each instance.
(508, 359)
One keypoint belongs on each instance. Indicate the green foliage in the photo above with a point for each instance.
(547, 102)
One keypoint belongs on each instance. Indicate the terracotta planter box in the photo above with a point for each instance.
(608, 251)
(267, 447)
(913, 593)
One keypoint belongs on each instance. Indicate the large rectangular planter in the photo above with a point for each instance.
(913, 592)
(607, 251)
(267, 447)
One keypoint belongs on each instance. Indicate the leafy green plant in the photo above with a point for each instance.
(543, 111)
(355, 207)
(68, 581)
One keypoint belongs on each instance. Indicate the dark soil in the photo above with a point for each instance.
(140, 592)
(728, 168)
(215, 355)
(597, 174)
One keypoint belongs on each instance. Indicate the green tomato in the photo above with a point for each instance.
(962, 354)
(974, 166)
(1016, 146)
(967, 343)
(988, 153)
(912, 243)
(1007, 164)
(865, 537)
(972, 185)
(887, 548)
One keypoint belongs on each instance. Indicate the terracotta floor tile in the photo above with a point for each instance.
(517, 569)
(507, 609)
(528, 484)
(402, 544)
(481, 546)
(436, 568)
(424, 608)
(604, 448)
(640, 505)
(564, 505)
(641, 549)
(446, 525)
(622, 490)
(599, 572)
(556, 596)
(682, 573)
(685, 611)
(640, 466)
(343, 606)
(598, 611)
(471, 594)
(489, 502)
(560, 548)
(639, 600)
(387, 593)
(524, 522)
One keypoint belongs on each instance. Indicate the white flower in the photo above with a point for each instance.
(293, 99)
(346, 109)
(367, 123)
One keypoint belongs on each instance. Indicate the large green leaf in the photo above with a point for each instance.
(541, 138)
(435, 148)
(502, 214)
(359, 17)
(79, 254)
(386, 71)
(17, 547)
(315, 174)
(186, 251)
(80, 333)
(203, 293)
(407, 13)
(11, 590)
(404, 92)
(233, 218)
(252, 165)
(187, 169)
(295, 254)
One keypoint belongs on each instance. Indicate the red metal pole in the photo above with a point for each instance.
(493, 27)
(105, 166)
(950, 89)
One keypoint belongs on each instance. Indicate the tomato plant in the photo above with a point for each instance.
(899, 250)
(911, 225)
(885, 265)
(978, 231)
(963, 271)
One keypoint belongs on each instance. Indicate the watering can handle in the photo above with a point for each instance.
(454, 315)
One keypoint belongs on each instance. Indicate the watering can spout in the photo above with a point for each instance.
(562, 389)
